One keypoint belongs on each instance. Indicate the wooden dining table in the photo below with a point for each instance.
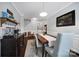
(31, 36)
(45, 39)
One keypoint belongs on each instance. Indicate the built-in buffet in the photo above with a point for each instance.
(13, 43)
(13, 46)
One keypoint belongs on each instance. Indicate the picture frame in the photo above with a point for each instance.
(67, 19)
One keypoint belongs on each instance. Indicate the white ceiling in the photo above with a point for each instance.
(32, 9)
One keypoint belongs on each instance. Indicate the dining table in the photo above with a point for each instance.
(46, 39)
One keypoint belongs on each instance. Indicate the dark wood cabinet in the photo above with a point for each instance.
(8, 46)
(22, 42)
(13, 47)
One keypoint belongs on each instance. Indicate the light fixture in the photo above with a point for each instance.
(43, 13)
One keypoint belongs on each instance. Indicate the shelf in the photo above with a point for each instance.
(11, 27)
(7, 27)
(2, 28)
(3, 20)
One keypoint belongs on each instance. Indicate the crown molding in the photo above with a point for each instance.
(19, 12)
(62, 8)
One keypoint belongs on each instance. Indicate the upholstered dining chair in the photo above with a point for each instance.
(37, 43)
(63, 44)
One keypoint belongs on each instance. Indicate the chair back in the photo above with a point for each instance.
(63, 44)
(38, 44)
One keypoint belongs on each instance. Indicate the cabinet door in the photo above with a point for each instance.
(8, 46)
(22, 46)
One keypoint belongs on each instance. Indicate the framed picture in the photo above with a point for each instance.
(67, 19)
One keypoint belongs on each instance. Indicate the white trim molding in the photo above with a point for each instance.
(20, 13)
(62, 9)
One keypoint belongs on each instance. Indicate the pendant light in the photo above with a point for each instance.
(43, 13)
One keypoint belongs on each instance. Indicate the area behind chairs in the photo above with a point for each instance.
(63, 44)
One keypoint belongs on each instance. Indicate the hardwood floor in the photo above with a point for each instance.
(30, 50)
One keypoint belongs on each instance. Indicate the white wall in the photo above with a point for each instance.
(21, 24)
(52, 29)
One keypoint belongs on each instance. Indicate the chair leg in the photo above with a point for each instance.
(36, 49)
(46, 53)
(43, 50)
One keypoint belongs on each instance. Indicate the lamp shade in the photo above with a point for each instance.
(43, 14)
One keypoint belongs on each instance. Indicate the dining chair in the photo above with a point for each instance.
(37, 43)
(63, 44)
